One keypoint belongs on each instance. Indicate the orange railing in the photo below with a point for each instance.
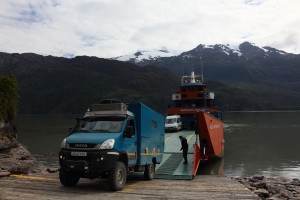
(196, 159)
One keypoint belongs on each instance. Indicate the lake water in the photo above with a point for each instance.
(256, 143)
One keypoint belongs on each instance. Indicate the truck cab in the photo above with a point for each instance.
(110, 141)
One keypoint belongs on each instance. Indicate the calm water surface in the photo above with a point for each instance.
(257, 143)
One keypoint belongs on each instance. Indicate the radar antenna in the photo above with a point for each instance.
(202, 68)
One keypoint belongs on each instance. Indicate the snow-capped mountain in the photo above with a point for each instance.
(245, 50)
(245, 63)
(146, 55)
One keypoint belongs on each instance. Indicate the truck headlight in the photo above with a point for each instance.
(108, 144)
(64, 144)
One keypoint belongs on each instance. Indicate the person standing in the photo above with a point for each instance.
(184, 148)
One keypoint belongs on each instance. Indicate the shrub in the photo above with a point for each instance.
(8, 97)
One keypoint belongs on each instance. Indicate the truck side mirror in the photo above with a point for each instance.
(129, 132)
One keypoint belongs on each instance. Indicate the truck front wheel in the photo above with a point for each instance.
(68, 179)
(117, 177)
(149, 172)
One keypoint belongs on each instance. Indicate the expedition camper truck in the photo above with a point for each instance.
(110, 141)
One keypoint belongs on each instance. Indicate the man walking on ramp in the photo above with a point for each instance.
(184, 148)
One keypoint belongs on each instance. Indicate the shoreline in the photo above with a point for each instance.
(264, 187)
(272, 188)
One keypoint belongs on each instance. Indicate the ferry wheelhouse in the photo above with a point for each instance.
(191, 97)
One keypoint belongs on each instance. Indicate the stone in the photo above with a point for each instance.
(261, 193)
(14, 157)
(272, 188)
(258, 178)
(52, 170)
(259, 185)
(4, 173)
(275, 197)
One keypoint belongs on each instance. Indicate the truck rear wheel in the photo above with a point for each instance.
(68, 179)
(149, 172)
(117, 177)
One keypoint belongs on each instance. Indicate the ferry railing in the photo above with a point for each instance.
(218, 114)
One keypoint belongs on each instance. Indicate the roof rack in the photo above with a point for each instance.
(108, 109)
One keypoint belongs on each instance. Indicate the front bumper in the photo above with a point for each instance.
(93, 163)
(169, 129)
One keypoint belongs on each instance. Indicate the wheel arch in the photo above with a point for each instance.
(123, 158)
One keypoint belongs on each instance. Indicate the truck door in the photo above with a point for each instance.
(130, 141)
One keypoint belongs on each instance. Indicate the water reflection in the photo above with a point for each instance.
(213, 167)
(43, 134)
(263, 143)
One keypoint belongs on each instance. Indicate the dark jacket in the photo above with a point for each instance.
(184, 144)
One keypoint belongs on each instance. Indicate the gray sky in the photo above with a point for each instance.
(109, 28)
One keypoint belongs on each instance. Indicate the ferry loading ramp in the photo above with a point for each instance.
(172, 166)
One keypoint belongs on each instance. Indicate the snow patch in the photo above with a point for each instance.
(272, 50)
(147, 54)
(208, 46)
(235, 49)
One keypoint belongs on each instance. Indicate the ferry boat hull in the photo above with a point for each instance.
(210, 132)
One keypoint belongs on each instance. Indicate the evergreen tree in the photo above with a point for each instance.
(8, 97)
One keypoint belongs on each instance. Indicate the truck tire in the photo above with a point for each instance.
(68, 179)
(117, 177)
(149, 172)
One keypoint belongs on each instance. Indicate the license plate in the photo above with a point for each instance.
(77, 153)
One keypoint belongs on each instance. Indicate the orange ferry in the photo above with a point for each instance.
(196, 106)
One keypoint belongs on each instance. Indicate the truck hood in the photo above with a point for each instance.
(91, 138)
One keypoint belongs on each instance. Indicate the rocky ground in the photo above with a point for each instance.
(272, 188)
(14, 157)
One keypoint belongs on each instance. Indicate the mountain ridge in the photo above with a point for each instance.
(260, 71)
(249, 65)
(51, 84)
(244, 47)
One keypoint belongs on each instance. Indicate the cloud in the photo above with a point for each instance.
(106, 28)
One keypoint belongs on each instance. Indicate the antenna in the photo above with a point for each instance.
(182, 64)
(182, 67)
(202, 68)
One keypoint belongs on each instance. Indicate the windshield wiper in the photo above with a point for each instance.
(101, 131)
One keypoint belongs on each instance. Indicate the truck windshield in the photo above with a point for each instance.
(170, 121)
(100, 125)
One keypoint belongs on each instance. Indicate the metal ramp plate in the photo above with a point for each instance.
(172, 166)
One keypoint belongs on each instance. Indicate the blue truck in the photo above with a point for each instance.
(110, 141)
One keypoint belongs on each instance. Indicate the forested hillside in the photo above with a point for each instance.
(50, 84)
(60, 85)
